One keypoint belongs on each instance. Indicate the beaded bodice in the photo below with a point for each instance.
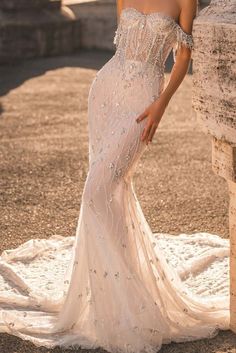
(148, 38)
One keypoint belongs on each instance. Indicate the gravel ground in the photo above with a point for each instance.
(44, 162)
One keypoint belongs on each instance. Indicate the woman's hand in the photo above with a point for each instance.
(153, 113)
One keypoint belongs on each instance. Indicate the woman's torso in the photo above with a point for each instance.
(134, 76)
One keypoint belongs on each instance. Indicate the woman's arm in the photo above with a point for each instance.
(183, 55)
(156, 110)
(119, 7)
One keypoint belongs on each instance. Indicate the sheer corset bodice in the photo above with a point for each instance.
(148, 38)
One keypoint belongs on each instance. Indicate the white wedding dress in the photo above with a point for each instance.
(115, 284)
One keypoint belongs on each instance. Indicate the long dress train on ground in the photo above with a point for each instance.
(115, 284)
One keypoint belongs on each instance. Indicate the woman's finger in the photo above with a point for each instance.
(142, 116)
(145, 132)
(152, 132)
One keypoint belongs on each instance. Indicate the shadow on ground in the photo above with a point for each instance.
(13, 76)
(223, 342)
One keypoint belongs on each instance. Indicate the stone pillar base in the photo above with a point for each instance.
(232, 228)
(224, 164)
(224, 159)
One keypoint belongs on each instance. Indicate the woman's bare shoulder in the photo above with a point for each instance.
(188, 7)
(188, 11)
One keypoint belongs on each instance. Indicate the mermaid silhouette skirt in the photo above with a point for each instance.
(115, 284)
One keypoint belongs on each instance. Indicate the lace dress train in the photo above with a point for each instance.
(115, 284)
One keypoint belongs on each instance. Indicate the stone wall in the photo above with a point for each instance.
(26, 5)
(98, 22)
(36, 28)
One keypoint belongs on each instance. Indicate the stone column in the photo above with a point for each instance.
(36, 28)
(214, 101)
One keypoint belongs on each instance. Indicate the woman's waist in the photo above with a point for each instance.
(138, 63)
(134, 71)
(123, 77)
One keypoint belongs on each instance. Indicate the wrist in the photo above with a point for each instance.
(164, 99)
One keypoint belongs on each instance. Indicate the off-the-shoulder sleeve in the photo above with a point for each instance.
(117, 34)
(115, 40)
(182, 39)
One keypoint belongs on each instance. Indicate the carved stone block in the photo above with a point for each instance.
(214, 100)
(224, 159)
(214, 70)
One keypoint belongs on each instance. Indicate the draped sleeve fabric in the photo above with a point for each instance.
(182, 39)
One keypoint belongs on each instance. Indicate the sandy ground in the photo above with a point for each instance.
(44, 162)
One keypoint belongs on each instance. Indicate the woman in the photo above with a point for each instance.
(124, 289)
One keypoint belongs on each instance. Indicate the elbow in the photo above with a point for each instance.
(183, 55)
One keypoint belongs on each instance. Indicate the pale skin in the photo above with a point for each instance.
(183, 12)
